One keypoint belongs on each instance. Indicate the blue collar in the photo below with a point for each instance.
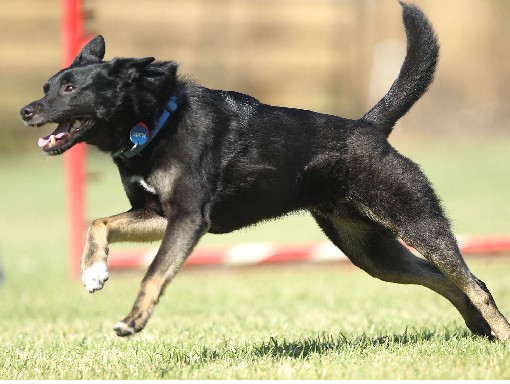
(140, 135)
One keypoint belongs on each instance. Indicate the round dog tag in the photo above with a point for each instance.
(139, 134)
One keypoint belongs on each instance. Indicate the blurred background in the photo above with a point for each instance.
(333, 56)
(336, 57)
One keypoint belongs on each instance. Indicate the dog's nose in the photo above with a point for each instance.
(27, 111)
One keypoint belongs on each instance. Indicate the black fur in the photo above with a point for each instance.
(224, 161)
(415, 76)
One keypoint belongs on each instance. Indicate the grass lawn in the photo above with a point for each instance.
(249, 324)
(260, 323)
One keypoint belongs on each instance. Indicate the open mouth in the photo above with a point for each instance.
(65, 136)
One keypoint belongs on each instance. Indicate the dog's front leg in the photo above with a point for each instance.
(181, 236)
(136, 225)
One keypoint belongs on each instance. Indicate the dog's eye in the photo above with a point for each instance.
(69, 88)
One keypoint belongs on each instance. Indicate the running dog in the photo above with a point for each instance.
(194, 160)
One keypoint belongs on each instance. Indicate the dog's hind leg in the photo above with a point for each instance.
(181, 235)
(377, 251)
(137, 225)
(439, 246)
(390, 190)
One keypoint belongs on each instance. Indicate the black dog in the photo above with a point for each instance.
(202, 160)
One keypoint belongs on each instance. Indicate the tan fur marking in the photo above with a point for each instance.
(136, 226)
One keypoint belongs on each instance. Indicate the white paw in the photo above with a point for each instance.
(123, 329)
(95, 276)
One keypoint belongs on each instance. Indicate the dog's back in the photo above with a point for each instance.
(305, 153)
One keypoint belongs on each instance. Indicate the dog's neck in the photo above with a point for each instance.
(141, 136)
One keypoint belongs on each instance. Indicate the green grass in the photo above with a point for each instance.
(252, 324)
(331, 322)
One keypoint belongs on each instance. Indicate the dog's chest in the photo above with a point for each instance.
(138, 182)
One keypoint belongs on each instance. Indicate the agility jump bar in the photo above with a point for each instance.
(254, 254)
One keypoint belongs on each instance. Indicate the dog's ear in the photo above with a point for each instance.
(92, 52)
(128, 69)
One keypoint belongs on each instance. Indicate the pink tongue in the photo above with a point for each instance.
(43, 141)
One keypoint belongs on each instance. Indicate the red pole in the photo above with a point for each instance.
(75, 158)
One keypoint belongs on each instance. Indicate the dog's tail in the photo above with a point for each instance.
(416, 74)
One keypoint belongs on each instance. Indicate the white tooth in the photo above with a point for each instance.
(77, 124)
(52, 140)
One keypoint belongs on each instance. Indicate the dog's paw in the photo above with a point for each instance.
(122, 329)
(95, 276)
(132, 323)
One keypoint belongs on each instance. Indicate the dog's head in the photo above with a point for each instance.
(92, 100)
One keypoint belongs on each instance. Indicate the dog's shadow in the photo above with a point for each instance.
(325, 343)
(306, 347)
